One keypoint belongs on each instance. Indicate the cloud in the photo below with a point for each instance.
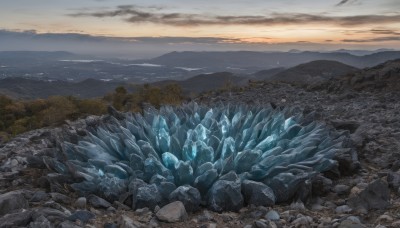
(135, 14)
(385, 32)
(32, 34)
(342, 2)
(346, 2)
(378, 39)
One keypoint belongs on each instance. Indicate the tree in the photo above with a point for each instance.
(59, 109)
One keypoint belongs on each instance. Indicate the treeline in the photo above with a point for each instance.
(122, 100)
(18, 116)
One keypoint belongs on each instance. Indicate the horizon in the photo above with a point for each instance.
(148, 29)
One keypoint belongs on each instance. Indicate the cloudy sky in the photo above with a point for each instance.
(203, 25)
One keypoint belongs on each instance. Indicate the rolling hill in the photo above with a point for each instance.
(385, 76)
(31, 88)
(25, 88)
(312, 72)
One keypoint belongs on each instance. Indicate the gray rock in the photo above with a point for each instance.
(189, 196)
(60, 198)
(298, 206)
(272, 215)
(112, 209)
(83, 216)
(92, 121)
(211, 225)
(173, 212)
(68, 224)
(375, 196)
(53, 215)
(230, 176)
(165, 189)
(54, 205)
(349, 125)
(350, 224)
(303, 221)
(126, 222)
(354, 219)
(96, 201)
(384, 219)
(157, 208)
(257, 193)
(121, 206)
(205, 217)
(154, 223)
(110, 225)
(148, 196)
(256, 214)
(19, 219)
(260, 224)
(225, 196)
(321, 185)
(348, 161)
(39, 196)
(393, 180)
(341, 189)
(130, 198)
(396, 223)
(80, 203)
(343, 209)
(40, 222)
(12, 201)
(142, 211)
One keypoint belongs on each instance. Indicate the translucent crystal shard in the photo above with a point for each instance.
(216, 151)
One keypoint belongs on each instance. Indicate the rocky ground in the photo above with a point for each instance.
(368, 197)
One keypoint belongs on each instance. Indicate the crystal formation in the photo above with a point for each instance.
(221, 155)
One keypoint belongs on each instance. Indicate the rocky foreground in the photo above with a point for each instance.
(365, 194)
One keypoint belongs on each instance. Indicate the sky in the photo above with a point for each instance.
(151, 27)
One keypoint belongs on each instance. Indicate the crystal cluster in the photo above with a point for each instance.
(223, 156)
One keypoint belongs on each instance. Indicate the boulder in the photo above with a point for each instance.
(148, 196)
(225, 195)
(12, 201)
(189, 196)
(173, 212)
(96, 201)
(19, 219)
(126, 222)
(375, 196)
(80, 203)
(83, 216)
(41, 222)
(257, 193)
(393, 179)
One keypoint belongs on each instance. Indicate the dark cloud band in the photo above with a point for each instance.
(377, 39)
(135, 14)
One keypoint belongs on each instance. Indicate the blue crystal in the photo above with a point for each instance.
(208, 148)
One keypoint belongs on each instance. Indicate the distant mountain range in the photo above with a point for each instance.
(172, 66)
(43, 74)
(325, 73)
(268, 60)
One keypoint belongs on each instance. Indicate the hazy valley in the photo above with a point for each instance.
(43, 74)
